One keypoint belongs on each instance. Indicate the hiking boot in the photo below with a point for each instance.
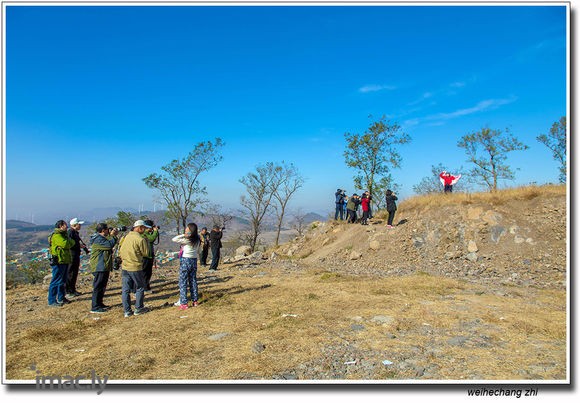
(105, 307)
(183, 307)
(56, 305)
(128, 314)
(70, 295)
(98, 310)
(64, 301)
(141, 311)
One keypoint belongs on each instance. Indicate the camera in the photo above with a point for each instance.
(119, 229)
(117, 263)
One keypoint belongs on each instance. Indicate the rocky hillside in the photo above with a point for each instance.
(513, 237)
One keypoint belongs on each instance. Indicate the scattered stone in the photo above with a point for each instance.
(382, 319)
(457, 341)
(472, 257)
(418, 242)
(355, 255)
(357, 328)
(375, 245)
(243, 250)
(472, 247)
(218, 336)
(497, 232)
(258, 347)
(473, 213)
(519, 239)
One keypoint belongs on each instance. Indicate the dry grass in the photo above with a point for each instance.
(500, 197)
(295, 315)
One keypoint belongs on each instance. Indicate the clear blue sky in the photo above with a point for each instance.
(99, 97)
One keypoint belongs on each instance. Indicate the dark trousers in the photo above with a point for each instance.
(148, 272)
(338, 211)
(73, 273)
(215, 258)
(350, 215)
(99, 286)
(449, 188)
(391, 217)
(203, 257)
(365, 217)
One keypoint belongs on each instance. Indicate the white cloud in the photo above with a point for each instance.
(457, 84)
(488, 104)
(376, 88)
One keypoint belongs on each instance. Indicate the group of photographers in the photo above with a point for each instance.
(133, 253)
(347, 208)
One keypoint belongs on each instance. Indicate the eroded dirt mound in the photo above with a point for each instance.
(519, 241)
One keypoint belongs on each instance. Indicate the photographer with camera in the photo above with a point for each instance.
(152, 236)
(339, 203)
(60, 245)
(73, 270)
(204, 238)
(102, 243)
(215, 243)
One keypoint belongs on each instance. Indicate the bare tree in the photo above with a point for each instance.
(488, 149)
(179, 184)
(299, 221)
(219, 217)
(556, 142)
(257, 202)
(288, 181)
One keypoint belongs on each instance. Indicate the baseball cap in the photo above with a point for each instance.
(140, 223)
(76, 221)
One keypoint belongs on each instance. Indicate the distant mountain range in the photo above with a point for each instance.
(22, 236)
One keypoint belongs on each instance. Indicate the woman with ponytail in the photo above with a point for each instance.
(190, 243)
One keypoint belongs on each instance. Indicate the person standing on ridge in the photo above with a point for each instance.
(390, 199)
(448, 181)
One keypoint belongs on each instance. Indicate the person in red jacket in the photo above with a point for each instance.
(366, 205)
(448, 181)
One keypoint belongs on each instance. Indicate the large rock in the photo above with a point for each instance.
(375, 245)
(244, 250)
(472, 246)
(355, 255)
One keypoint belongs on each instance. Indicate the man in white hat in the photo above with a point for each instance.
(132, 251)
(73, 270)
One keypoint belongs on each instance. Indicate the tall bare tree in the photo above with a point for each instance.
(257, 201)
(288, 181)
(178, 183)
(556, 142)
(374, 153)
(487, 149)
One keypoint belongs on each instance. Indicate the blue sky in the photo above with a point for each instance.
(99, 97)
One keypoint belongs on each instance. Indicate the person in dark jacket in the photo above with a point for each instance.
(339, 203)
(390, 198)
(215, 243)
(102, 243)
(73, 270)
(204, 238)
(152, 236)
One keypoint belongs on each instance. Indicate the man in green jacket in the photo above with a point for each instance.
(60, 245)
(102, 243)
(132, 251)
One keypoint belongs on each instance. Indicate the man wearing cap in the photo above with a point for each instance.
(132, 252)
(73, 270)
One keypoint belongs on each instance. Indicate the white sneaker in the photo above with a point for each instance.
(178, 303)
